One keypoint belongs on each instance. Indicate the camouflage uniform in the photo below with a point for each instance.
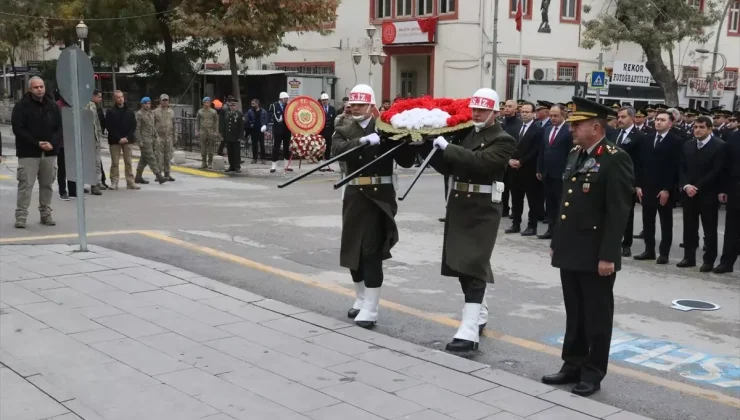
(146, 135)
(98, 138)
(164, 119)
(207, 125)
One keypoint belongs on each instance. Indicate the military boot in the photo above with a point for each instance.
(161, 179)
(139, 179)
(468, 334)
(169, 178)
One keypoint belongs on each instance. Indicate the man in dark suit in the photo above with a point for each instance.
(554, 148)
(512, 124)
(657, 176)
(523, 174)
(630, 139)
(702, 163)
(731, 195)
(330, 113)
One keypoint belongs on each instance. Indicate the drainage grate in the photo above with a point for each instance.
(694, 305)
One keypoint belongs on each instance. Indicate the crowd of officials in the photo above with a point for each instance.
(688, 158)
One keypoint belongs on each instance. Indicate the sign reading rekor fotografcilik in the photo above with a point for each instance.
(630, 73)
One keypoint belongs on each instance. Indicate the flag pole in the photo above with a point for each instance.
(520, 23)
(519, 82)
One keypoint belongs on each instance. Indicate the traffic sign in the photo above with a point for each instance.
(84, 75)
(598, 80)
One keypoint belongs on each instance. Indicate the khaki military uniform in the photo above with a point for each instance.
(164, 120)
(146, 135)
(597, 196)
(98, 132)
(207, 125)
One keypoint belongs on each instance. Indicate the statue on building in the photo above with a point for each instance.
(545, 25)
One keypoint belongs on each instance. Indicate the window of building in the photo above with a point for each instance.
(403, 8)
(511, 81)
(424, 7)
(382, 9)
(731, 76)
(568, 72)
(688, 72)
(733, 20)
(446, 6)
(570, 11)
(526, 7)
(696, 4)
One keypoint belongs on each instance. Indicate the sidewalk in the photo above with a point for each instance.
(193, 161)
(105, 335)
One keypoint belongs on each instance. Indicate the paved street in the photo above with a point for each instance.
(283, 244)
(103, 334)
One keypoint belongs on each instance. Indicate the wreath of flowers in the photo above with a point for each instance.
(425, 116)
(310, 147)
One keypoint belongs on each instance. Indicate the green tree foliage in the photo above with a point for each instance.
(656, 26)
(17, 30)
(252, 28)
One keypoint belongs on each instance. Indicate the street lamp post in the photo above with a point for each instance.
(714, 53)
(376, 56)
(82, 31)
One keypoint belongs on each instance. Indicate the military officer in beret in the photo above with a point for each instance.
(368, 204)
(586, 245)
(476, 166)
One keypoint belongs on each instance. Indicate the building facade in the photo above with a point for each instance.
(444, 48)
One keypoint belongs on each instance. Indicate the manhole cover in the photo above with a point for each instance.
(693, 304)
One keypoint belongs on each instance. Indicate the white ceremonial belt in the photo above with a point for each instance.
(474, 188)
(371, 180)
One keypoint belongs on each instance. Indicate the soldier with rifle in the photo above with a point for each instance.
(369, 202)
(475, 166)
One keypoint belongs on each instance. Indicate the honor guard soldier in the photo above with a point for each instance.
(280, 133)
(476, 167)
(586, 245)
(369, 204)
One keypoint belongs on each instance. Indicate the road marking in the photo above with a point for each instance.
(191, 171)
(521, 342)
(65, 236)
(6, 177)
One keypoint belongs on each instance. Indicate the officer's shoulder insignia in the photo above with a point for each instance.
(575, 149)
(611, 149)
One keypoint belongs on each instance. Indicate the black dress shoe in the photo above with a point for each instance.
(686, 263)
(365, 324)
(663, 259)
(706, 268)
(352, 313)
(626, 251)
(442, 219)
(461, 346)
(513, 229)
(546, 235)
(561, 378)
(530, 231)
(585, 389)
(481, 328)
(640, 235)
(647, 255)
(722, 268)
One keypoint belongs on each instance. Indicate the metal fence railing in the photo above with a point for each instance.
(185, 139)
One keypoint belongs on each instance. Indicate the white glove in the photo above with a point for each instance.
(263, 129)
(372, 139)
(440, 143)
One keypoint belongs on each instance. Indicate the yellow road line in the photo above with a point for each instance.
(191, 171)
(6, 177)
(65, 236)
(521, 342)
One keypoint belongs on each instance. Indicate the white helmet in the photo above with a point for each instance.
(485, 98)
(284, 95)
(323, 96)
(362, 94)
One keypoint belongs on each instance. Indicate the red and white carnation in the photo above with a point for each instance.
(310, 147)
(427, 113)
